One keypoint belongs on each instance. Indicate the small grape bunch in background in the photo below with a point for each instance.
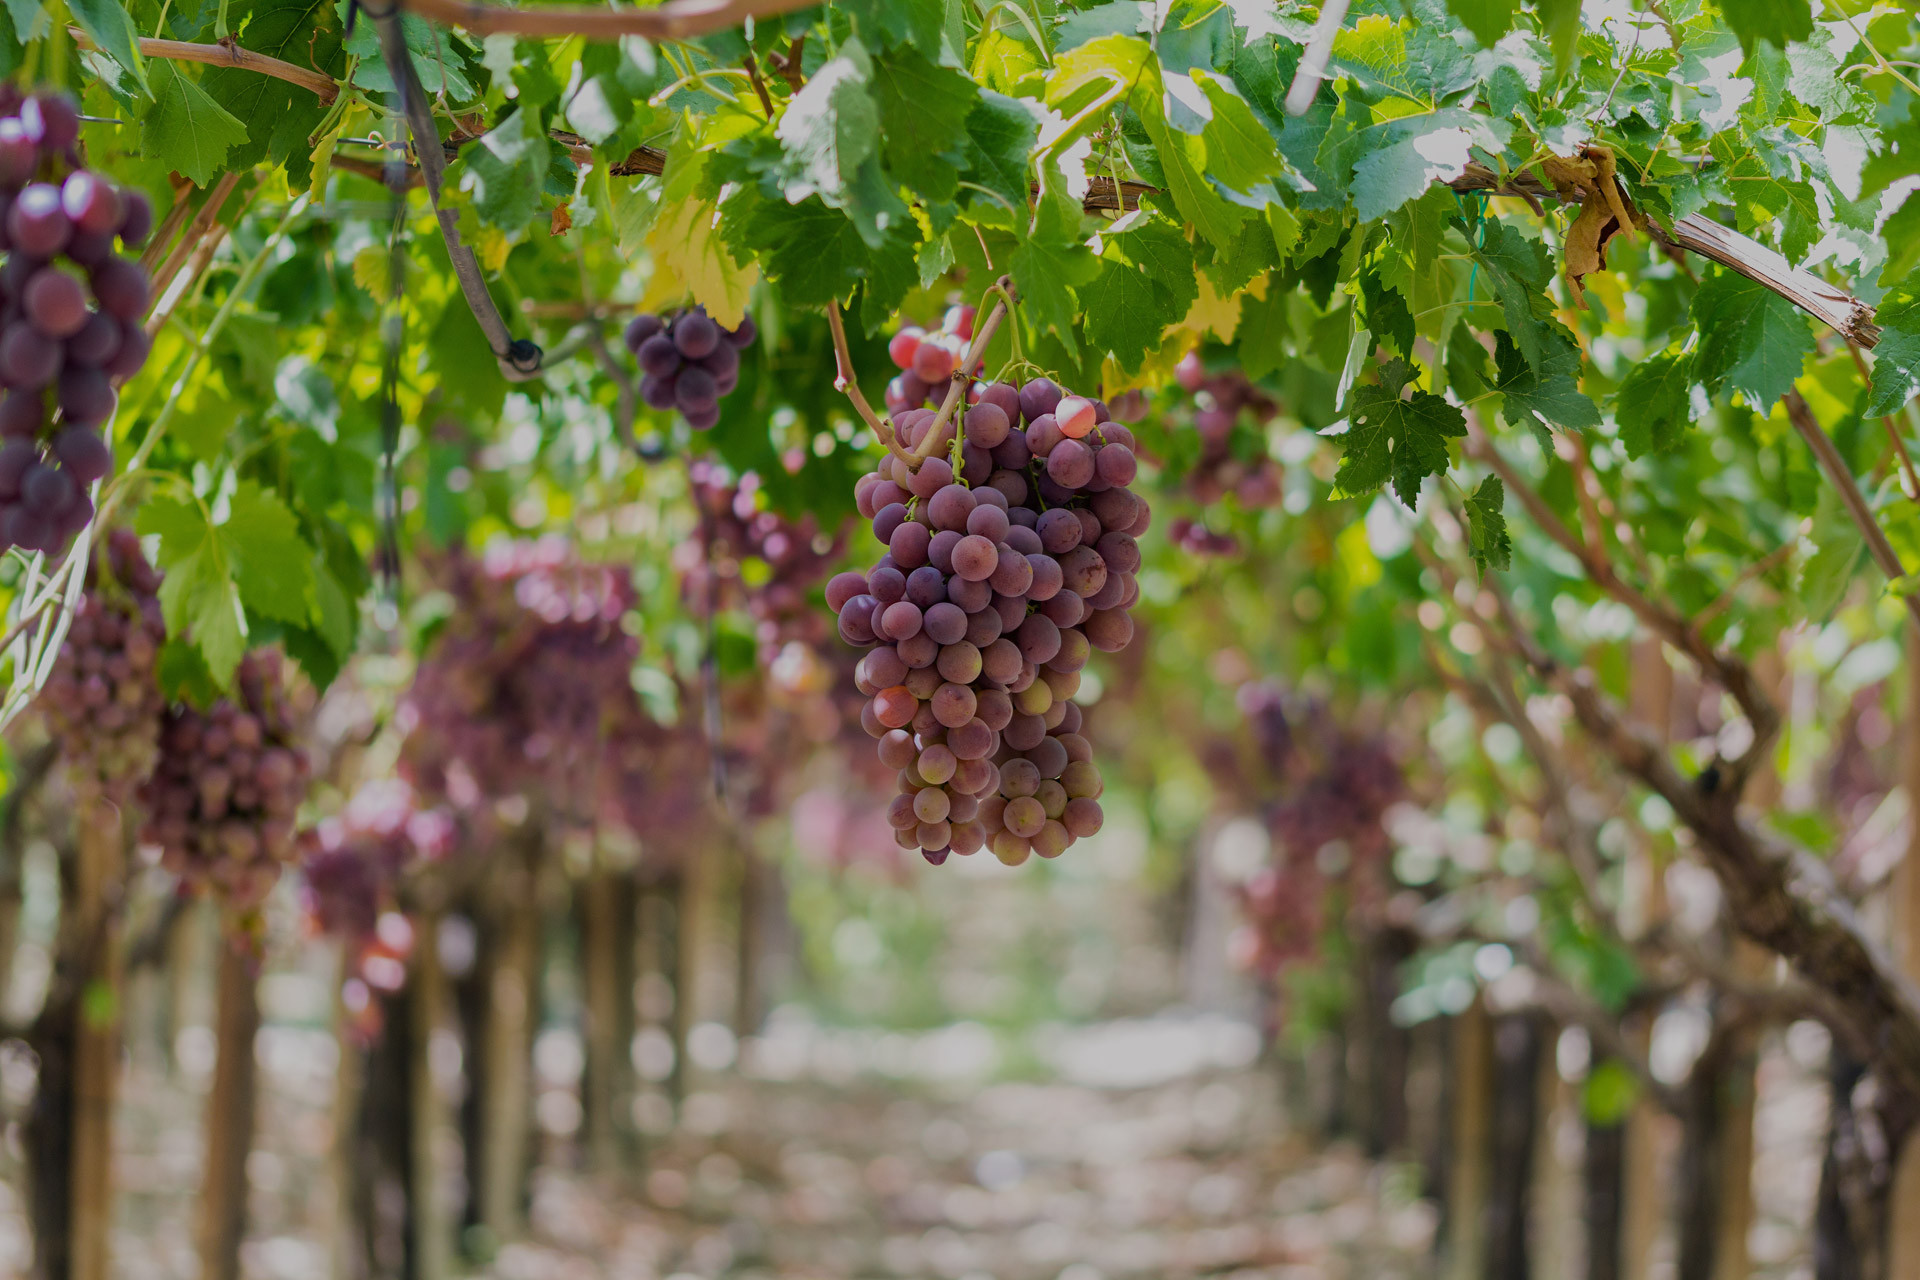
(687, 362)
(221, 804)
(60, 355)
(927, 358)
(101, 703)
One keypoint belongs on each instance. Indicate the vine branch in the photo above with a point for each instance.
(226, 54)
(519, 359)
(675, 20)
(1841, 477)
(845, 381)
(934, 439)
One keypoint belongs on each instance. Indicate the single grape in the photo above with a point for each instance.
(91, 203)
(702, 417)
(743, 334)
(19, 156)
(131, 355)
(23, 414)
(85, 395)
(639, 329)
(659, 356)
(694, 335)
(902, 346)
(52, 121)
(695, 388)
(121, 286)
(83, 453)
(96, 341)
(28, 358)
(136, 221)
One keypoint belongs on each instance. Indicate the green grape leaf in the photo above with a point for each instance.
(1896, 360)
(1050, 263)
(504, 170)
(1655, 404)
(923, 111)
(1781, 21)
(1391, 438)
(1550, 395)
(111, 27)
(1146, 284)
(1751, 339)
(279, 116)
(1240, 151)
(1487, 526)
(1519, 272)
(831, 127)
(439, 57)
(1419, 151)
(815, 253)
(185, 129)
(270, 560)
(1000, 133)
(198, 598)
(1488, 20)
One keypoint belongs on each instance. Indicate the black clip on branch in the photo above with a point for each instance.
(520, 359)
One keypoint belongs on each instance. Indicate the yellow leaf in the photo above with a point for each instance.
(492, 248)
(1212, 313)
(373, 271)
(685, 245)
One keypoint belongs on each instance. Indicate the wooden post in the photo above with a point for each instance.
(1903, 1208)
(348, 1246)
(1556, 1238)
(426, 1012)
(601, 936)
(1515, 1119)
(1648, 1137)
(750, 942)
(1469, 1175)
(230, 1106)
(99, 867)
(693, 922)
(507, 1043)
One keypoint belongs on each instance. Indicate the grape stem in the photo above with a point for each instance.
(196, 231)
(935, 438)
(844, 381)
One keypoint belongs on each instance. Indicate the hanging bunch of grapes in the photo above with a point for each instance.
(351, 866)
(70, 319)
(221, 802)
(738, 532)
(1232, 458)
(927, 359)
(101, 702)
(526, 681)
(998, 582)
(1331, 850)
(687, 362)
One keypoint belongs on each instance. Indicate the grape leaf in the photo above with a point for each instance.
(815, 253)
(1518, 271)
(111, 27)
(923, 112)
(1391, 438)
(439, 57)
(830, 128)
(1050, 262)
(271, 563)
(197, 599)
(185, 129)
(1240, 152)
(1412, 153)
(1551, 394)
(504, 170)
(1896, 360)
(1751, 339)
(279, 115)
(1000, 133)
(1488, 20)
(1781, 21)
(1487, 526)
(1146, 284)
(1655, 404)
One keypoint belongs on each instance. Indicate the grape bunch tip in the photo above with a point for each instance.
(61, 356)
(998, 582)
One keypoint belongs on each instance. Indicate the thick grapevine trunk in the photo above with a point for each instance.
(1516, 1107)
(1699, 1177)
(1384, 1117)
(506, 1044)
(606, 909)
(1903, 1242)
(750, 939)
(49, 1130)
(693, 926)
(230, 1108)
(1851, 1227)
(1556, 1239)
(426, 1001)
(99, 869)
(1603, 1171)
(1469, 1174)
(374, 1153)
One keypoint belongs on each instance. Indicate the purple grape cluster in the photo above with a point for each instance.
(101, 702)
(221, 802)
(1220, 397)
(998, 583)
(351, 863)
(797, 555)
(531, 675)
(71, 309)
(687, 362)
